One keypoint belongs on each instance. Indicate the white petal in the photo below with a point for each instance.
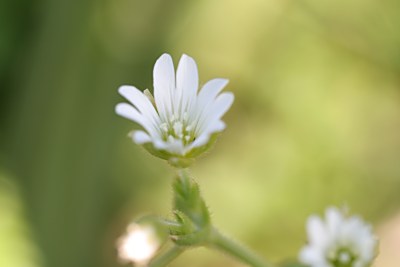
(350, 229)
(368, 248)
(138, 99)
(164, 85)
(334, 220)
(187, 81)
(127, 111)
(206, 97)
(205, 136)
(222, 104)
(174, 146)
(312, 256)
(140, 137)
(217, 126)
(210, 91)
(218, 109)
(142, 103)
(160, 144)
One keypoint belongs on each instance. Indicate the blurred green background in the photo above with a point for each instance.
(316, 120)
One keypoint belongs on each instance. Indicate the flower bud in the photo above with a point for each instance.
(141, 242)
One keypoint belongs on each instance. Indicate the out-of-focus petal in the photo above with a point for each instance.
(316, 231)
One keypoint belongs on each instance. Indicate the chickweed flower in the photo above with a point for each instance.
(339, 241)
(139, 244)
(179, 122)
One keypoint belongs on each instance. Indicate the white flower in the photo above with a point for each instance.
(139, 244)
(340, 241)
(179, 122)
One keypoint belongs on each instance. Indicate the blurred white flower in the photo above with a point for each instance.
(340, 241)
(179, 122)
(139, 244)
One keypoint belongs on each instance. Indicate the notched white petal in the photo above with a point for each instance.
(138, 99)
(203, 139)
(141, 102)
(127, 91)
(164, 84)
(223, 102)
(129, 112)
(187, 80)
(211, 89)
(164, 73)
(218, 109)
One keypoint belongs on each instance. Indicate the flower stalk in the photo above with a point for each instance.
(233, 248)
(164, 258)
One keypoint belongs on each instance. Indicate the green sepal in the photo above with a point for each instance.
(200, 150)
(190, 212)
(156, 152)
(188, 200)
(177, 160)
(188, 234)
(190, 240)
(186, 225)
(180, 162)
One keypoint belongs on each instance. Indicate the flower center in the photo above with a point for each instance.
(341, 257)
(178, 127)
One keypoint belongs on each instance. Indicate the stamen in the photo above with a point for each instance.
(175, 116)
(178, 128)
(189, 127)
(185, 116)
(164, 127)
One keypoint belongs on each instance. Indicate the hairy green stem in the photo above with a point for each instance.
(183, 174)
(166, 257)
(240, 252)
